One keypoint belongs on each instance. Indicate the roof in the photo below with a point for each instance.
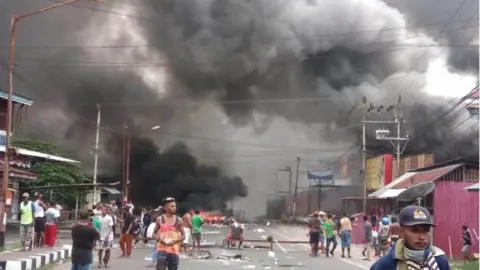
(27, 152)
(112, 191)
(425, 176)
(384, 189)
(17, 98)
(474, 187)
(456, 161)
(17, 173)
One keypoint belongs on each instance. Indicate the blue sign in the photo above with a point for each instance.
(320, 175)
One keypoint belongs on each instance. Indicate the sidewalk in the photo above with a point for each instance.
(35, 259)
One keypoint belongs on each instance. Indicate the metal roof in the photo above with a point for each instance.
(27, 152)
(17, 98)
(391, 193)
(384, 189)
(474, 187)
(110, 190)
(425, 176)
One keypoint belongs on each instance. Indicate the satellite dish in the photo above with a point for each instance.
(415, 192)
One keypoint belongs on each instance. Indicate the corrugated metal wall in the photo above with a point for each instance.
(454, 207)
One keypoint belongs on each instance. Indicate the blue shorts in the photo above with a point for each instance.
(167, 259)
(81, 266)
(346, 238)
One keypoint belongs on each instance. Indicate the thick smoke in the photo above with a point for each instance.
(288, 74)
(461, 34)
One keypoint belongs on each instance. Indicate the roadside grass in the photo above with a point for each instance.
(467, 266)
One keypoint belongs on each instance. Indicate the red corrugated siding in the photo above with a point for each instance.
(454, 207)
(425, 177)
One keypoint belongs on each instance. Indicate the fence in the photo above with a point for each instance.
(453, 208)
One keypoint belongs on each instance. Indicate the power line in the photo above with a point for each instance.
(123, 15)
(426, 51)
(104, 64)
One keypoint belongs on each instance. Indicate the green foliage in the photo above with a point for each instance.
(51, 173)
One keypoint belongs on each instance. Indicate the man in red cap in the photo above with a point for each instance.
(314, 226)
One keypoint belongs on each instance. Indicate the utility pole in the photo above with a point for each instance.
(309, 195)
(296, 188)
(364, 155)
(381, 134)
(399, 126)
(384, 134)
(127, 170)
(124, 153)
(95, 165)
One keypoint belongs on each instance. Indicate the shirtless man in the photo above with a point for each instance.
(187, 223)
(169, 232)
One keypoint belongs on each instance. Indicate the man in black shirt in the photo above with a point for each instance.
(84, 237)
(467, 243)
(126, 238)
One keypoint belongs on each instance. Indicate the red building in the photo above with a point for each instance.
(450, 204)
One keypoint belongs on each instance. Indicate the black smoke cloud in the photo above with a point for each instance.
(228, 50)
(461, 58)
(175, 172)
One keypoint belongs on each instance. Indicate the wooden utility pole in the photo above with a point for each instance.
(296, 188)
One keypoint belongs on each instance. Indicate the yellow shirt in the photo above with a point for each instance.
(346, 224)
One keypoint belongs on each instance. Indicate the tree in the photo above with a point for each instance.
(51, 172)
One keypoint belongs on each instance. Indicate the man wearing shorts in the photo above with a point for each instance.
(346, 234)
(40, 208)
(314, 227)
(170, 234)
(197, 223)
(106, 237)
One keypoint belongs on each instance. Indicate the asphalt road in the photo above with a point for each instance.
(286, 256)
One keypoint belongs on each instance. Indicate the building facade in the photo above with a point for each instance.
(20, 159)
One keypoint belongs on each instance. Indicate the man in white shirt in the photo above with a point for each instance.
(39, 226)
(106, 237)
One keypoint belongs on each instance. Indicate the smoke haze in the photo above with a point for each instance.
(247, 85)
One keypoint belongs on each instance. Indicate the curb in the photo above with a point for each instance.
(37, 261)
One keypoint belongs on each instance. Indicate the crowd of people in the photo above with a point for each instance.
(398, 242)
(38, 222)
(405, 238)
(170, 233)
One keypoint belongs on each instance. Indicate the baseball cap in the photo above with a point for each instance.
(321, 213)
(25, 195)
(414, 215)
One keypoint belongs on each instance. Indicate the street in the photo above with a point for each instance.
(291, 256)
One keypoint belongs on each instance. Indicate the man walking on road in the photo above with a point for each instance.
(84, 237)
(346, 234)
(197, 223)
(106, 237)
(187, 223)
(413, 251)
(27, 213)
(367, 238)
(329, 227)
(126, 238)
(314, 227)
(170, 235)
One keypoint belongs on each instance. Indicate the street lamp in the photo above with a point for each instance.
(8, 119)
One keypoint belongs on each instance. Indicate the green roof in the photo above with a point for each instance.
(17, 98)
